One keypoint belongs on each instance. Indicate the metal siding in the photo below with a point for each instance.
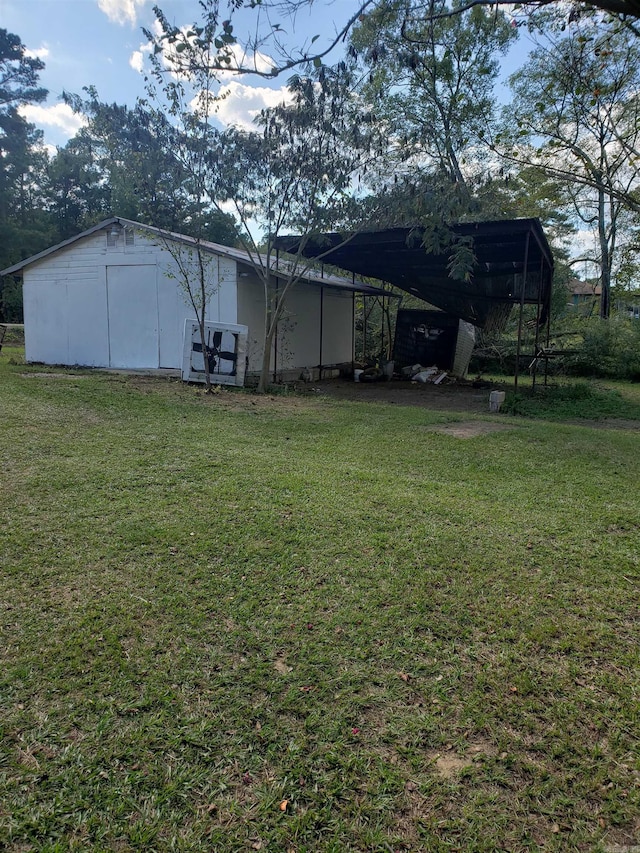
(337, 344)
(73, 317)
(172, 312)
(299, 329)
(227, 302)
(251, 314)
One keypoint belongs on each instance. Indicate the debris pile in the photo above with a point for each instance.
(418, 373)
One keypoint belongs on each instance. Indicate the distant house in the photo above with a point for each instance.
(587, 294)
(584, 292)
(110, 297)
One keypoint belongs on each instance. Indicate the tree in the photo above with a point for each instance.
(265, 34)
(193, 270)
(23, 226)
(293, 174)
(24, 223)
(76, 190)
(580, 95)
(432, 83)
(19, 140)
(18, 73)
(126, 156)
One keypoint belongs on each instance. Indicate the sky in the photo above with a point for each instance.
(100, 43)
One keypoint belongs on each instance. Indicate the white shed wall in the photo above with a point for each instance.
(251, 314)
(337, 327)
(116, 306)
(91, 327)
(298, 340)
(174, 307)
(50, 286)
(298, 343)
(132, 311)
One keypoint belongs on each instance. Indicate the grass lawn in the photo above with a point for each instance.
(233, 623)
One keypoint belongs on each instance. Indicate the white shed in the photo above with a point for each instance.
(110, 297)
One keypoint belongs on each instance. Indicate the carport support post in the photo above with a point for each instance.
(353, 322)
(275, 340)
(321, 330)
(524, 287)
(537, 340)
(364, 328)
(546, 361)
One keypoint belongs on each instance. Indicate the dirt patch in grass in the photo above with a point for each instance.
(449, 764)
(454, 398)
(470, 429)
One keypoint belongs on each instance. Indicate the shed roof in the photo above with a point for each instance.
(509, 255)
(251, 260)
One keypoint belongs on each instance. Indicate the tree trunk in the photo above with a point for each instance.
(271, 325)
(265, 369)
(605, 263)
(269, 331)
(201, 317)
(205, 354)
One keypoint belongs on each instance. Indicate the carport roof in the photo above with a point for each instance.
(509, 255)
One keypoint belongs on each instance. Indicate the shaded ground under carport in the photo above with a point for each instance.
(457, 397)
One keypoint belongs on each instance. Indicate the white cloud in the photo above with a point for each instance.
(241, 104)
(59, 116)
(40, 53)
(121, 11)
(136, 60)
(174, 61)
(256, 61)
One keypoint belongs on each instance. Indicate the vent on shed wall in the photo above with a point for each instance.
(113, 235)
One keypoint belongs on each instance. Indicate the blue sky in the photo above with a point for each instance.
(100, 43)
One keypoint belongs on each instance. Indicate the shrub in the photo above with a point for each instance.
(610, 348)
(576, 400)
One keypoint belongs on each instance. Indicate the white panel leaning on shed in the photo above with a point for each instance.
(226, 351)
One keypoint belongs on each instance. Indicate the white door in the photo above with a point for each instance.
(133, 316)
(88, 332)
